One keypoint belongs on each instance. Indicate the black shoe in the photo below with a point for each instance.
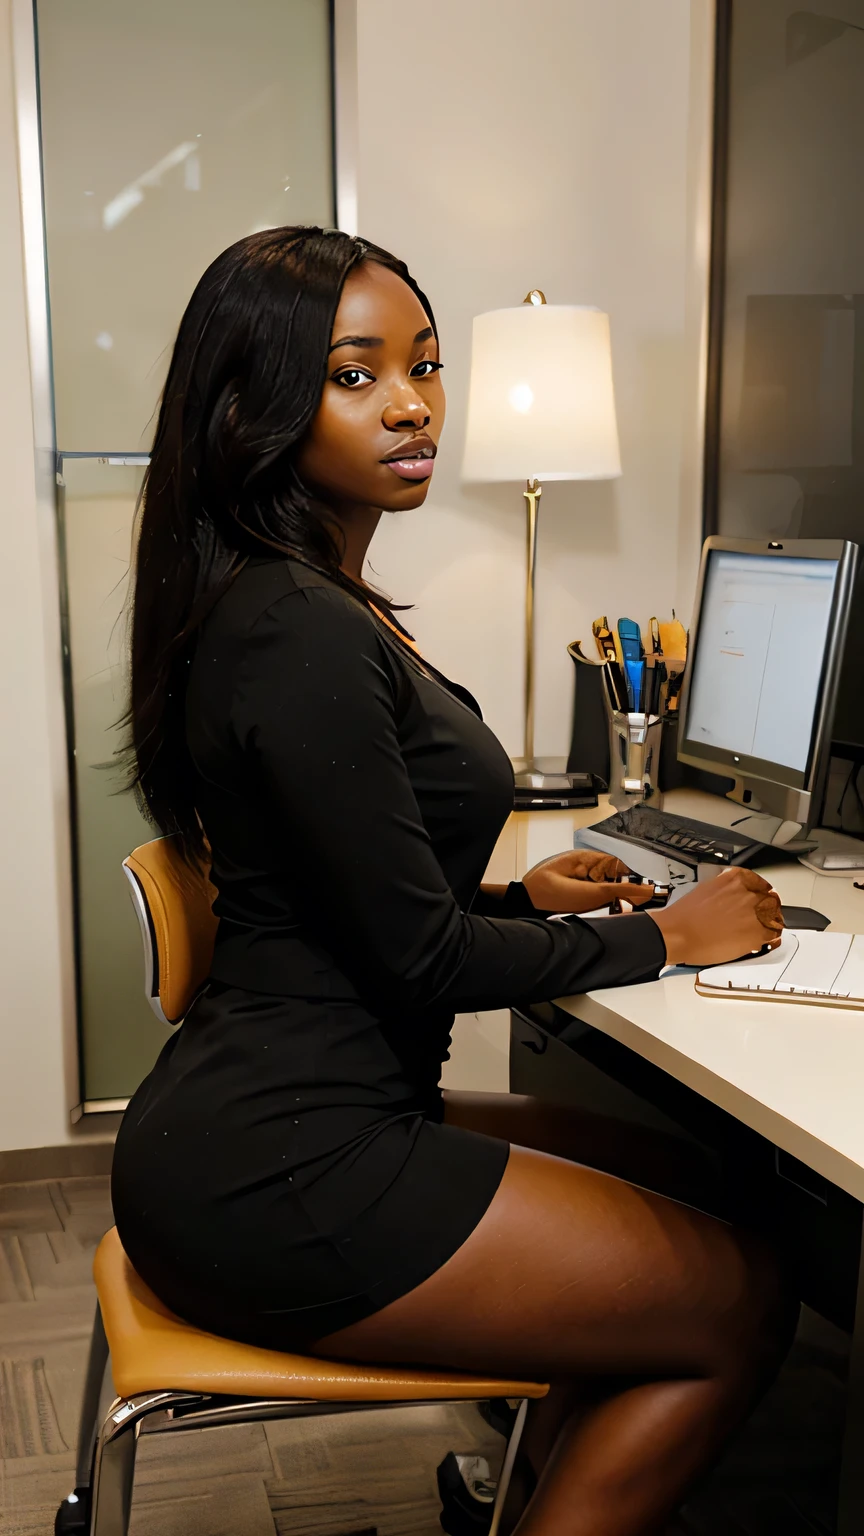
(73, 1516)
(467, 1495)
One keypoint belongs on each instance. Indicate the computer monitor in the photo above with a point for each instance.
(765, 652)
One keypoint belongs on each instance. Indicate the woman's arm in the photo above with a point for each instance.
(578, 880)
(316, 707)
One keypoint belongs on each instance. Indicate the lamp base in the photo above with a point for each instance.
(545, 784)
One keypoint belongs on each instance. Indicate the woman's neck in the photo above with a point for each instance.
(357, 525)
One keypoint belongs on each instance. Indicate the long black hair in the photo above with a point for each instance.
(244, 384)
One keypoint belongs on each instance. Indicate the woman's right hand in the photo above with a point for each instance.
(721, 920)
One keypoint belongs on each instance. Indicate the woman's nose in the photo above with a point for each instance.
(405, 411)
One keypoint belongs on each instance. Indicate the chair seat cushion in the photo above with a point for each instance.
(154, 1351)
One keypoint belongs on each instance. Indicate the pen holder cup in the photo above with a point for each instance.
(634, 759)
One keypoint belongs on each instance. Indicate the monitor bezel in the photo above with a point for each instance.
(733, 765)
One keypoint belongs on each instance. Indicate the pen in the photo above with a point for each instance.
(634, 661)
(662, 674)
(631, 639)
(603, 636)
(620, 684)
(616, 677)
(650, 686)
(616, 688)
(673, 637)
(634, 671)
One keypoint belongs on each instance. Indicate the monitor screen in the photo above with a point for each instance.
(758, 658)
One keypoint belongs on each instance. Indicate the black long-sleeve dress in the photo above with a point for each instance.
(284, 1170)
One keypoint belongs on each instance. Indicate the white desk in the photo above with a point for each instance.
(794, 1073)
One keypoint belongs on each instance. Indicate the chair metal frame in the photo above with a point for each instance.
(101, 1504)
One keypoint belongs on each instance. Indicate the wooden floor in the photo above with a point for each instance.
(343, 1476)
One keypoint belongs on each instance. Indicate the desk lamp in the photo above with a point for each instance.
(541, 406)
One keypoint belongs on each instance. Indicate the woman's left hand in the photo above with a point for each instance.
(582, 881)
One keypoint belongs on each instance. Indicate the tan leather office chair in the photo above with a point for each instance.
(174, 907)
(167, 1375)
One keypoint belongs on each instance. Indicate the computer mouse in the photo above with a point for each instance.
(805, 917)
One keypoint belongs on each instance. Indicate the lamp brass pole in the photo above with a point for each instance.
(532, 494)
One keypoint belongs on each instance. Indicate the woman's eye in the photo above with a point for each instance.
(428, 366)
(351, 377)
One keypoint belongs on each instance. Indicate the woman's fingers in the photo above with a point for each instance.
(557, 893)
(748, 878)
(582, 881)
(769, 913)
(608, 868)
(767, 908)
(625, 890)
(588, 864)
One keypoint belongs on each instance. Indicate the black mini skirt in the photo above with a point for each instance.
(285, 1171)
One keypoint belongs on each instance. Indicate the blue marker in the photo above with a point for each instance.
(634, 662)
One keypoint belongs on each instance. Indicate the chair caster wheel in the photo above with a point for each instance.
(73, 1516)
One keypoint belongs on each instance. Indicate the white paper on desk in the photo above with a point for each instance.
(806, 965)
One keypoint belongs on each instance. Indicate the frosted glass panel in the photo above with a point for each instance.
(120, 1034)
(170, 129)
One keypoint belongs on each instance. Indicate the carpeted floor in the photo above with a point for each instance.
(345, 1476)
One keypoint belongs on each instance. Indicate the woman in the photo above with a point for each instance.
(289, 1173)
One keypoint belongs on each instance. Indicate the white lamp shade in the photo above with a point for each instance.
(541, 402)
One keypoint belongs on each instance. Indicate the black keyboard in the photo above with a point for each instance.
(693, 842)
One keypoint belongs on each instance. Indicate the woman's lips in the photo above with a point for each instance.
(411, 469)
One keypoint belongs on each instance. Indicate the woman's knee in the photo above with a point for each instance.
(752, 1328)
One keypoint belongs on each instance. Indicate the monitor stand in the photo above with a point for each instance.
(844, 853)
(813, 846)
(791, 836)
(764, 826)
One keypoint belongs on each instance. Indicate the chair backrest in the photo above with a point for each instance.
(174, 905)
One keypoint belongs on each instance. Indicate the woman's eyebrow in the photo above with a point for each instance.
(378, 341)
(358, 341)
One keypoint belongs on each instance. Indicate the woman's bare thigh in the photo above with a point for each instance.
(669, 1164)
(573, 1272)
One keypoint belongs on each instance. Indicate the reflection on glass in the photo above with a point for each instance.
(120, 1034)
(792, 396)
(792, 422)
(169, 130)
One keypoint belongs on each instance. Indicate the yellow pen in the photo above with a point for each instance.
(604, 638)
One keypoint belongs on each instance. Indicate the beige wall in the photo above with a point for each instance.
(496, 153)
(37, 1061)
(569, 153)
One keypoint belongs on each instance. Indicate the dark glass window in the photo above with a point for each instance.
(786, 426)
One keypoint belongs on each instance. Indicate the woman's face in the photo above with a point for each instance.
(374, 438)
